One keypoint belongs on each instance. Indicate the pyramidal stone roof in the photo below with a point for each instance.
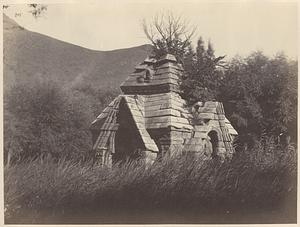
(154, 76)
(151, 94)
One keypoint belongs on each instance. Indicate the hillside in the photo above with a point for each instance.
(30, 55)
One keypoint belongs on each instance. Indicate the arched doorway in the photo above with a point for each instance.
(213, 136)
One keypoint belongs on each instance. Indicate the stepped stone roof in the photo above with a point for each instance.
(107, 124)
(149, 112)
(164, 76)
(151, 93)
(210, 116)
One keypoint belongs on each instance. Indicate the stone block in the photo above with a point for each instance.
(202, 128)
(216, 117)
(222, 123)
(221, 144)
(207, 110)
(210, 104)
(200, 134)
(214, 123)
(186, 135)
(221, 117)
(205, 116)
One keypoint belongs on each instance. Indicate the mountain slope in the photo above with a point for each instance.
(29, 56)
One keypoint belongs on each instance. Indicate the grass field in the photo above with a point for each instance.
(257, 186)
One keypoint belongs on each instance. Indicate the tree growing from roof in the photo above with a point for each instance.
(169, 34)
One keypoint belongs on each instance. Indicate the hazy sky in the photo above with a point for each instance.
(234, 27)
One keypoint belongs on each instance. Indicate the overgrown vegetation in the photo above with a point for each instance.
(259, 93)
(44, 119)
(256, 182)
(49, 178)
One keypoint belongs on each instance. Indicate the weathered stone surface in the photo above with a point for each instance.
(169, 70)
(170, 65)
(221, 117)
(207, 110)
(161, 119)
(222, 123)
(200, 134)
(210, 104)
(206, 115)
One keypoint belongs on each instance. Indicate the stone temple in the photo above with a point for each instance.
(150, 119)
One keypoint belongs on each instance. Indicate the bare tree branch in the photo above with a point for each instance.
(169, 34)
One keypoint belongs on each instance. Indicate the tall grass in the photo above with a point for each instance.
(258, 185)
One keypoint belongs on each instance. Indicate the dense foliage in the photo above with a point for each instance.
(260, 97)
(45, 119)
(259, 93)
(203, 77)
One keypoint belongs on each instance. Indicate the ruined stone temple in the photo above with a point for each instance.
(150, 119)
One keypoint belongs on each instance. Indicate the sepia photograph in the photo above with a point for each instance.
(150, 112)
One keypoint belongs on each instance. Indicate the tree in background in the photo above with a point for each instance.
(259, 93)
(260, 96)
(203, 74)
(45, 119)
(172, 34)
(169, 34)
(42, 119)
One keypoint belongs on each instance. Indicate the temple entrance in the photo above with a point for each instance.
(213, 135)
(128, 144)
